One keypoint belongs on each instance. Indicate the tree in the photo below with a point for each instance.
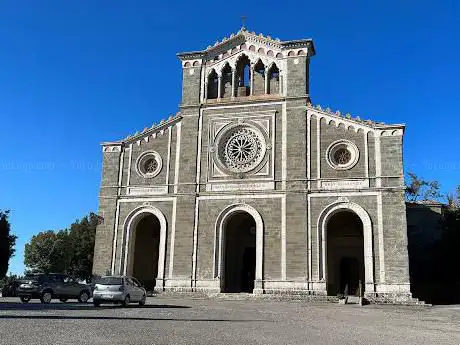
(46, 252)
(70, 251)
(453, 199)
(81, 239)
(7, 243)
(417, 188)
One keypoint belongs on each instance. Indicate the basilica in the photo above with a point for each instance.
(250, 187)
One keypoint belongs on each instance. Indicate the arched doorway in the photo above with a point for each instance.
(146, 251)
(239, 271)
(345, 253)
(145, 246)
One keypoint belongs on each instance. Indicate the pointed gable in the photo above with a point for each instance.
(249, 43)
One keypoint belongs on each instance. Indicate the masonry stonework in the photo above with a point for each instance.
(254, 188)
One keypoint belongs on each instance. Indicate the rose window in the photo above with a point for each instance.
(149, 164)
(241, 148)
(342, 155)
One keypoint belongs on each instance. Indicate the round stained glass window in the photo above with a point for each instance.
(241, 148)
(342, 155)
(149, 164)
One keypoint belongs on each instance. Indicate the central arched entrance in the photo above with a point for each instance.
(239, 253)
(345, 253)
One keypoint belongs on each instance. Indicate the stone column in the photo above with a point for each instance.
(252, 79)
(280, 84)
(219, 86)
(266, 79)
(233, 82)
(205, 90)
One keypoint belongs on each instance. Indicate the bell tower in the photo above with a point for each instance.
(246, 67)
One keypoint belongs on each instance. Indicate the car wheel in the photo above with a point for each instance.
(24, 299)
(96, 303)
(84, 297)
(63, 300)
(126, 301)
(142, 301)
(46, 297)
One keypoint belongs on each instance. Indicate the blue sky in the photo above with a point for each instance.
(76, 73)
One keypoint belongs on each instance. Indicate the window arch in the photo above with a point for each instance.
(226, 81)
(213, 81)
(273, 80)
(243, 70)
(259, 78)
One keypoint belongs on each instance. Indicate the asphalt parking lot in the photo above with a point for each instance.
(172, 320)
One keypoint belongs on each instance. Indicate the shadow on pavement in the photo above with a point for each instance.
(80, 306)
(63, 317)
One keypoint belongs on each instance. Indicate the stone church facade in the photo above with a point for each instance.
(251, 188)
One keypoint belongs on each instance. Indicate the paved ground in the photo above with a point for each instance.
(237, 322)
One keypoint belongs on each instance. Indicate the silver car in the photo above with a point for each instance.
(118, 289)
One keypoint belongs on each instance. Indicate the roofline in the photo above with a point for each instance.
(373, 124)
(282, 44)
(162, 125)
(307, 41)
(199, 54)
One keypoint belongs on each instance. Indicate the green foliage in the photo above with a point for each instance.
(81, 241)
(7, 280)
(418, 188)
(46, 252)
(8, 285)
(453, 199)
(69, 251)
(7, 242)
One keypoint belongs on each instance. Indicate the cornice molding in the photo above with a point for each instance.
(355, 123)
(145, 135)
(240, 38)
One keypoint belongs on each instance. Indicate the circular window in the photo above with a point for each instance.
(241, 148)
(149, 164)
(342, 155)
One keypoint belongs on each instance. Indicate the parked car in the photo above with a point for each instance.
(118, 289)
(49, 286)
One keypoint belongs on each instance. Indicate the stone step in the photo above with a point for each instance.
(353, 300)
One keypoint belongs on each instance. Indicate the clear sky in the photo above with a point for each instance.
(76, 73)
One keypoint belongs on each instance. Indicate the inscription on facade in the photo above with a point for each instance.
(147, 190)
(345, 184)
(221, 187)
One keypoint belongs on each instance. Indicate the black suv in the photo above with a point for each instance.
(53, 285)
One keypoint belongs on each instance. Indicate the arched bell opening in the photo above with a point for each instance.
(243, 70)
(226, 82)
(273, 86)
(213, 86)
(259, 78)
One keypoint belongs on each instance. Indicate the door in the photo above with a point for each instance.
(57, 285)
(349, 276)
(139, 288)
(70, 287)
(248, 269)
(133, 290)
